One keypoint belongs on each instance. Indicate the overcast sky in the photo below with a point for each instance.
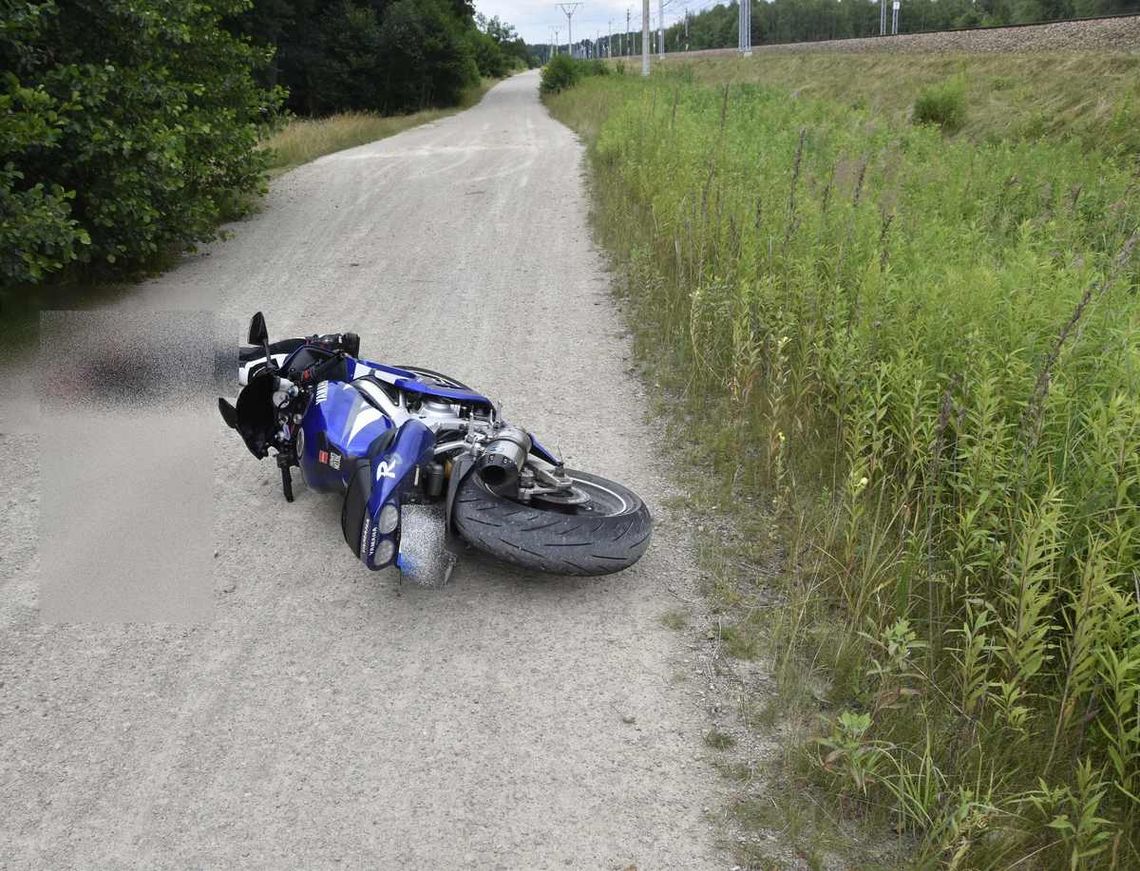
(534, 18)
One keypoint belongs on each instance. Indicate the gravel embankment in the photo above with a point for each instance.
(1102, 34)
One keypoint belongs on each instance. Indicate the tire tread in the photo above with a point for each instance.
(491, 523)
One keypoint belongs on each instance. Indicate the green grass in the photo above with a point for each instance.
(304, 139)
(1093, 98)
(920, 354)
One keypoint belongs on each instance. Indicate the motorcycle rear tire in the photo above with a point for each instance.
(606, 536)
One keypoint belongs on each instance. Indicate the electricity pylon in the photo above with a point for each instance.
(569, 9)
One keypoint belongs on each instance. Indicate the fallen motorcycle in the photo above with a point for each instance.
(420, 457)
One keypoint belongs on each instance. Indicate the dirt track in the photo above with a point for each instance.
(327, 716)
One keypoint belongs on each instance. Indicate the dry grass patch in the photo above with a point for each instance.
(305, 139)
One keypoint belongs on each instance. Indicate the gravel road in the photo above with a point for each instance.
(332, 717)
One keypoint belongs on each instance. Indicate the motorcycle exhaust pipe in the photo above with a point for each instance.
(504, 457)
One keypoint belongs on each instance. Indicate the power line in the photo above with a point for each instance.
(569, 9)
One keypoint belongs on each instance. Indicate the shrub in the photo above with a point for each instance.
(559, 74)
(126, 127)
(38, 234)
(564, 72)
(943, 104)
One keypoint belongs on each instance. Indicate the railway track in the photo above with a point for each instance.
(1105, 33)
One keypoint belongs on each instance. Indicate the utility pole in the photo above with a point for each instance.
(610, 40)
(557, 44)
(627, 30)
(569, 9)
(745, 27)
(645, 37)
(882, 17)
(661, 28)
(895, 18)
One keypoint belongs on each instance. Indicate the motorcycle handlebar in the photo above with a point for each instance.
(323, 370)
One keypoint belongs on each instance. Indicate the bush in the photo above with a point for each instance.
(564, 72)
(38, 234)
(943, 104)
(559, 74)
(126, 127)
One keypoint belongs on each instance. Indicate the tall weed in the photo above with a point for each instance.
(925, 354)
(943, 104)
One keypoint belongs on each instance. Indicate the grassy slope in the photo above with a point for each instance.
(902, 498)
(1093, 97)
(305, 139)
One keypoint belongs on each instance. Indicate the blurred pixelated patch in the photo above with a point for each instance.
(131, 359)
(127, 420)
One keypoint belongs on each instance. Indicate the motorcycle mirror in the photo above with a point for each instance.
(258, 333)
(229, 413)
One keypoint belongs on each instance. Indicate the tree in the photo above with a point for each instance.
(126, 127)
(380, 55)
(423, 58)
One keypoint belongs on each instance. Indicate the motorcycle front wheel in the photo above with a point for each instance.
(606, 534)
